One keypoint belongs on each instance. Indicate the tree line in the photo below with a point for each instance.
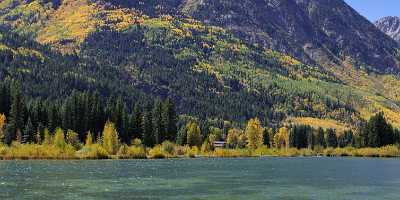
(87, 113)
(84, 113)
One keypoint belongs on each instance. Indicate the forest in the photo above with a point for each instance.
(85, 125)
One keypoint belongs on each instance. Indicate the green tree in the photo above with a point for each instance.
(29, 132)
(346, 139)
(147, 127)
(137, 118)
(169, 119)
(17, 113)
(331, 138)
(379, 132)
(158, 126)
(320, 138)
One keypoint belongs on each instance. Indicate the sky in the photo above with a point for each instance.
(376, 9)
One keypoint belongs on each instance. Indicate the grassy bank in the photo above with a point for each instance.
(170, 150)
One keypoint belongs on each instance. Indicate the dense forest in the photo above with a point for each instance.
(84, 118)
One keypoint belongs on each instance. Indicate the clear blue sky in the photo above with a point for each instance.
(375, 9)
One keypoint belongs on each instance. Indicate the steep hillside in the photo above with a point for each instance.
(63, 23)
(232, 61)
(325, 32)
(390, 26)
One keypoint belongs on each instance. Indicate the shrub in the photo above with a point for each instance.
(168, 147)
(157, 153)
(133, 152)
(94, 151)
(232, 153)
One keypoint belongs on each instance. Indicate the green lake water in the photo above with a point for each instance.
(239, 178)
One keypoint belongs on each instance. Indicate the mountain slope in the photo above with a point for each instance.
(390, 26)
(325, 32)
(297, 65)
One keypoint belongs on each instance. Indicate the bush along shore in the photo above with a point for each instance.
(170, 150)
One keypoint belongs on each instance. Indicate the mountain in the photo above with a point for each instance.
(285, 61)
(390, 26)
(325, 32)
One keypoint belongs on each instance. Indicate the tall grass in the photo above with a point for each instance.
(34, 151)
(171, 150)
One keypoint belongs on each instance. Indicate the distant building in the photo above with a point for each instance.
(219, 144)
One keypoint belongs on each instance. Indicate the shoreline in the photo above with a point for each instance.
(349, 152)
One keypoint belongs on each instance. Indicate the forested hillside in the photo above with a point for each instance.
(138, 51)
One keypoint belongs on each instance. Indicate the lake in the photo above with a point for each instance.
(238, 178)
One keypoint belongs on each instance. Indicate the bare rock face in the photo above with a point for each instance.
(390, 26)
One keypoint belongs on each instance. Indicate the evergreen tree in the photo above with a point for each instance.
(169, 119)
(266, 138)
(346, 139)
(137, 118)
(158, 128)
(16, 122)
(147, 127)
(379, 131)
(5, 99)
(29, 132)
(331, 138)
(320, 137)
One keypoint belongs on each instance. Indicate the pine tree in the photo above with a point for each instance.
(17, 113)
(331, 138)
(379, 132)
(147, 127)
(137, 118)
(29, 132)
(320, 138)
(169, 119)
(5, 99)
(158, 128)
(266, 138)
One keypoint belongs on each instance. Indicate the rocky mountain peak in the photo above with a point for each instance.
(390, 26)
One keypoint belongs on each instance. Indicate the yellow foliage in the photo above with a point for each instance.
(34, 151)
(94, 151)
(157, 152)
(59, 139)
(232, 153)
(110, 138)
(89, 139)
(254, 132)
(281, 139)
(316, 123)
(133, 152)
(2, 125)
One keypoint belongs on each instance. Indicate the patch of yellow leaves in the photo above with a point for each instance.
(316, 123)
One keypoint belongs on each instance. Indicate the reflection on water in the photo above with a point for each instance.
(242, 178)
